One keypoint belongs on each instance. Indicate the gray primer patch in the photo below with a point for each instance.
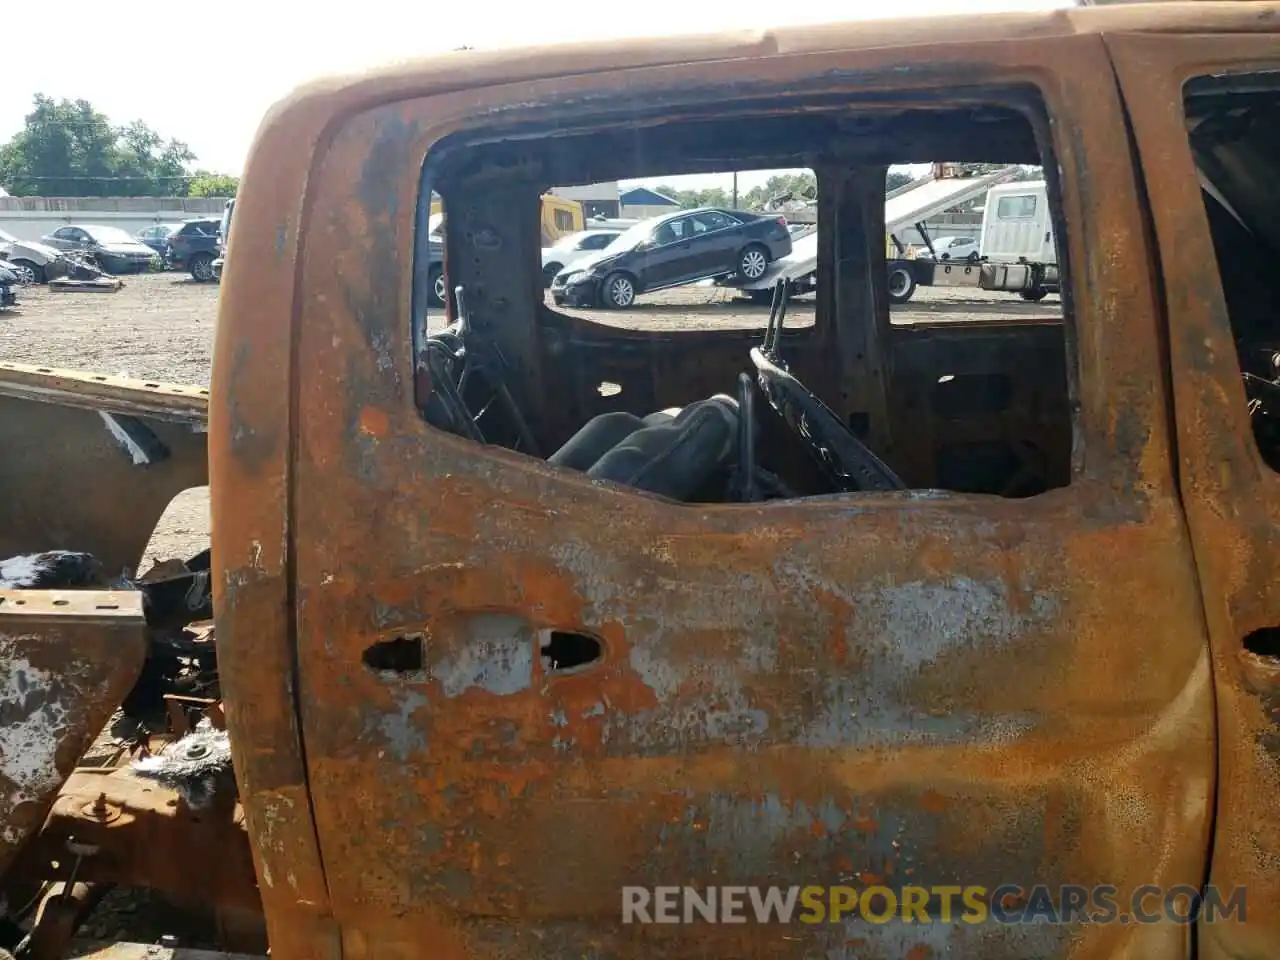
(906, 627)
(403, 736)
(35, 723)
(923, 620)
(497, 657)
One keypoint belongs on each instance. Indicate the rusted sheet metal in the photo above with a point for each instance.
(249, 442)
(1232, 497)
(92, 391)
(92, 467)
(96, 950)
(903, 689)
(145, 837)
(66, 662)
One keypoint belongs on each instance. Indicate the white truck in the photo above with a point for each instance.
(1017, 239)
(1026, 271)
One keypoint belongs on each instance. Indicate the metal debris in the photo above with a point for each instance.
(198, 766)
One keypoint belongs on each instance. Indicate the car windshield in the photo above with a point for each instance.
(630, 237)
(108, 234)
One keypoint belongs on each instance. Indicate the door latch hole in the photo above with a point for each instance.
(401, 654)
(1264, 643)
(563, 651)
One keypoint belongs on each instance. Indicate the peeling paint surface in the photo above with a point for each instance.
(34, 727)
(496, 656)
(65, 666)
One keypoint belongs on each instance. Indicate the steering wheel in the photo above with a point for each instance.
(848, 463)
(461, 363)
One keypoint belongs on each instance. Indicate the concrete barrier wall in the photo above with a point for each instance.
(30, 218)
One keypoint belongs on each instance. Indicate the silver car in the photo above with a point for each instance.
(114, 249)
(33, 262)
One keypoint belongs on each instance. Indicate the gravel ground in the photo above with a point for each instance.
(160, 326)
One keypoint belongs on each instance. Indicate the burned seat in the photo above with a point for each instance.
(674, 453)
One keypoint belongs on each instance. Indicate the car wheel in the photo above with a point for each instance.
(1033, 296)
(201, 267)
(29, 272)
(902, 285)
(436, 285)
(618, 291)
(973, 257)
(549, 273)
(753, 262)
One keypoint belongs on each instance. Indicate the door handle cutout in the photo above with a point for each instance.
(564, 651)
(400, 654)
(1264, 643)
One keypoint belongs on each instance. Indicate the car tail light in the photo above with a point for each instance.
(782, 221)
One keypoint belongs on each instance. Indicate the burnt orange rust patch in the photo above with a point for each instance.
(931, 801)
(374, 422)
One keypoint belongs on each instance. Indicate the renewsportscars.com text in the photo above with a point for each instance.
(938, 904)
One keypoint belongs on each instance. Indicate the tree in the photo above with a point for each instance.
(67, 148)
(799, 185)
(896, 179)
(206, 184)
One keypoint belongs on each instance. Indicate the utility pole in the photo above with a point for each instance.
(735, 190)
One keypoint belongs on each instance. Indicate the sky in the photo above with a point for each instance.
(208, 79)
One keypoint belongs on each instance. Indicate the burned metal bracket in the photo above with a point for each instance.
(67, 659)
(198, 766)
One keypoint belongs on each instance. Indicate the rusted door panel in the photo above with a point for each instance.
(1007, 384)
(1232, 497)
(66, 662)
(91, 462)
(654, 370)
(852, 689)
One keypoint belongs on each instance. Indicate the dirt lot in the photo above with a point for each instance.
(160, 326)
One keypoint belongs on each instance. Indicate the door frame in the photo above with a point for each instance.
(1231, 496)
(398, 529)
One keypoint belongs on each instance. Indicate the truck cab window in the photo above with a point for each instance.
(1234, 127)
(707, 352)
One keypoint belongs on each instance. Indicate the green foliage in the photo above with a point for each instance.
(797, 184)
(1024, 172)
(896, 179)
(207, 184)
(67, 148)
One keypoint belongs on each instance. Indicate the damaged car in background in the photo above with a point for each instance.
(671, 250)
(10, 279)
(34, 262)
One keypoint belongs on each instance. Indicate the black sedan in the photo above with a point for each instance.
(674, 249)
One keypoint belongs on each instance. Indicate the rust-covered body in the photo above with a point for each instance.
(941, 689)
(472, 693)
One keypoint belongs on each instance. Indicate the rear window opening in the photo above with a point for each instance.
(767, 303)
(1233, 123)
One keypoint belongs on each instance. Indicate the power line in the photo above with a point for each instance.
(167, 176)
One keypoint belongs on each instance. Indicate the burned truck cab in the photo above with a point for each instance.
(520, 606)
